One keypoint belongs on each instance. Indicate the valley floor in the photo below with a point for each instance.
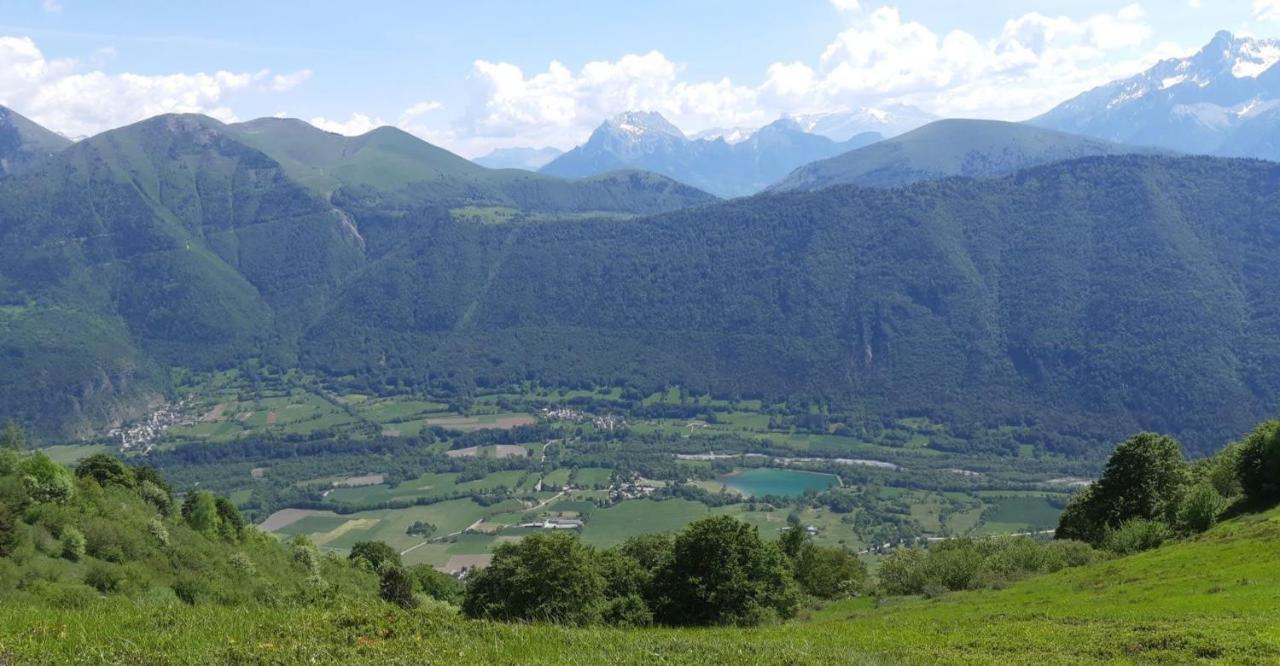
(1215, 597)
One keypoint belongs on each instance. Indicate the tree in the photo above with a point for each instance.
(1201, 508)
(1258, 465)
(106, 469)
(903, 571)
(829, 573)
(793, 541)
(376, 554)
(396, 587)
(73, 544)
(546, 577)
(1145, 478)
(8, 531)
(230, 523)
(722, 572)
(13, 438)
(46, 481)
(437, 585)
(200, 510)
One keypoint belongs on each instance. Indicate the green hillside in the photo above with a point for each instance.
(396, 169)
(23, 143)
(175, 242)
(977, 302)
(970, 148)
(1169, 605)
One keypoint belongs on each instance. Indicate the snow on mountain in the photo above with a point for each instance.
(723, 162)
(888, 120)
(1195, 104)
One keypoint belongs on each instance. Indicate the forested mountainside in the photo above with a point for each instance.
(1084, 297)
(174, 242)
(971, 148)
(1090, 296)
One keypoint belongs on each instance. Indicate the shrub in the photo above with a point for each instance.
(1068, 553)
(190, 590)
(902, 572)
(1258, 464)
(955, 564)
(1135, 536)
(73, 544)
(105, 578)
(8, 531)
(241, 562)
(230, 523)
(437, 585)
(1201, 508)
(829, 573)
(46, 481)
(157, 529)
(396, 587)
(627, 611)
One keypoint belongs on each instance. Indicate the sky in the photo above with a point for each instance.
(483, 74)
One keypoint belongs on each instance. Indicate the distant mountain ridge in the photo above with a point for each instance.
(530, 159)
(972, 148)
(748, 164)
(1222, 100)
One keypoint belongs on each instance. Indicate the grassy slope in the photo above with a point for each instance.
(1211, 598)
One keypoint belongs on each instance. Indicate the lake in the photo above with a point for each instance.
(771, 481)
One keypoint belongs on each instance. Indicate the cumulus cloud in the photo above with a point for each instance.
(67, 96)
(356, 125)
(1034, 62)
(283, 82)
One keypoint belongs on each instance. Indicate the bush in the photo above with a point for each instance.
(105, 578)
(200, 510)
(73, 544)
(1068, 553)
(902, 572)
(46, 481)
(396, 587)
(627, 611)
(437, 585)
(8, 531)
(1136, 536)
(1258, 464)
(829, 573)
(1201, 508)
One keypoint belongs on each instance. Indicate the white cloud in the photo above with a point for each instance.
(283, 82)
(1266, 10)
(51, 6)
(845, 5)
(419, 109)
(69, 97)
(1034, 62)
(356, 125)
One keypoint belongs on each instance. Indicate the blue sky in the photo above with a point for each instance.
(476, 75)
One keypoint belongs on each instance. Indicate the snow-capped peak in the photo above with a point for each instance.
(639, 123)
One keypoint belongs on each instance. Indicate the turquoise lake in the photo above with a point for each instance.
(772, 481)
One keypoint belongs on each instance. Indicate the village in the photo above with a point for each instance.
(140, 436)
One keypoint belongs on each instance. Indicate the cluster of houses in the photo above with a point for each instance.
(607, 422)
(557, 523)
(142, 435)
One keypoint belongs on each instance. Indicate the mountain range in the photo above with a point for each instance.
(646, 140)
(1222, 100)
(968, 148)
